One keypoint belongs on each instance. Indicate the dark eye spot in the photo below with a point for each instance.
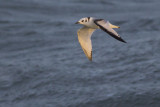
(82, 20)
(85, 20)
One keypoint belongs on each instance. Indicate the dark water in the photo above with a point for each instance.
(43, 65)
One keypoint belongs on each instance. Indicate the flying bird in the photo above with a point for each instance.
(90, 25)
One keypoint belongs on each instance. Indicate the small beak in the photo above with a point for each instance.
(77, 23)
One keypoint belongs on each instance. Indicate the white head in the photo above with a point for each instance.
(84, 21)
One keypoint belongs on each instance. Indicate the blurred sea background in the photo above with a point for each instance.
(43, 65)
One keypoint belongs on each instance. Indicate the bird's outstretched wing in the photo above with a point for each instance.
(105, 26)
(84, 37)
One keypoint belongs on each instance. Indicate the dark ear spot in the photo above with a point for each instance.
(88, 18)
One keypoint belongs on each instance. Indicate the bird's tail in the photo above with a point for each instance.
(113, 26)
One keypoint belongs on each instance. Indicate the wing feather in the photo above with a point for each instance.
(105, 26)
(84, 37)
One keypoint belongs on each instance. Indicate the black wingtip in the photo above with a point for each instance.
(120, 39)
(90, 58)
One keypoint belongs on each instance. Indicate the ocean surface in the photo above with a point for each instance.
(43, 65)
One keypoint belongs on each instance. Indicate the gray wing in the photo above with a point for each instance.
(84, 37)
(105, 26)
